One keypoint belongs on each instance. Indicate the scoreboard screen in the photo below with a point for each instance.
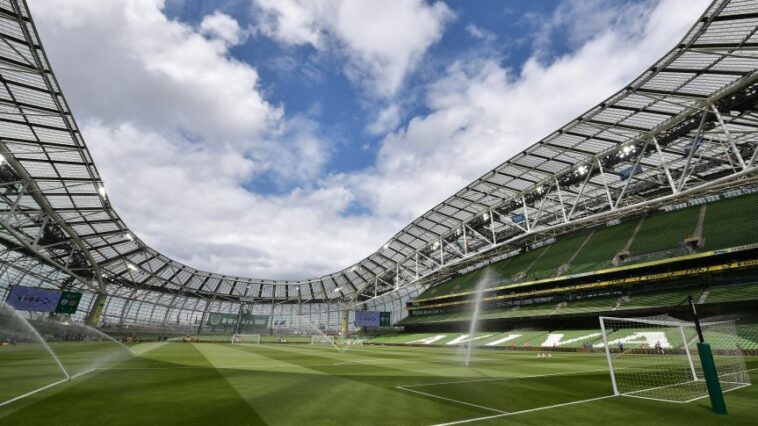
(372, 319)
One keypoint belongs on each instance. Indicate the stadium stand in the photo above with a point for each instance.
(603, 245)
(660, 235)
(666, 231)
(731, 222)
(560, 252)
(733, 293)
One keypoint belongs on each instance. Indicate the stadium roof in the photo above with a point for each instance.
(686, 125)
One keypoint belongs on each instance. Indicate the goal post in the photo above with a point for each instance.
(246, 338)
(662, 358)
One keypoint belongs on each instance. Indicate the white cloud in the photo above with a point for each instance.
(386, 120)
(383, 41)
(482, 113)
(187, 201)
(480, 33)
(179, 129)
(222, 27)
(125, 61)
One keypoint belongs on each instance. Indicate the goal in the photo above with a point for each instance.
(657, 357)
(318, 339)
(246, 338)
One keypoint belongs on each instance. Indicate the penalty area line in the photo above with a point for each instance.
(453, 400)
(497, 379)
(531, 410)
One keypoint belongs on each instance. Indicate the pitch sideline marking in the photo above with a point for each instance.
(452, 400)
(32, 392)
(547, 407)
(69, 379)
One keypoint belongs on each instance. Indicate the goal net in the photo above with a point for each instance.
(657, 357)
(318, 339)
(246, 338)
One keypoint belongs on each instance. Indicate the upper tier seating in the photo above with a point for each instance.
(732, 293)
(728, 223)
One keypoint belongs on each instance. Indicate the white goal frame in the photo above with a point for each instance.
(639, 365)
(243, 339)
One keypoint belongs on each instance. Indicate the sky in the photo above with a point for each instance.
(287, 139)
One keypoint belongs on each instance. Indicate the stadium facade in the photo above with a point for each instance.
(682, 134)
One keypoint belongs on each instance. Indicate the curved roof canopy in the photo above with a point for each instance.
(686, 124)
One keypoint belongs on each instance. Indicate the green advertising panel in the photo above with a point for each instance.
(68, 302)
(384, 319)
(229, 321)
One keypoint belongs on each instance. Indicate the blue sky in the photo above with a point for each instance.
(291, 138)
(313, 84)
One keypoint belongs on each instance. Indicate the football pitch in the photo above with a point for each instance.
(294, 384)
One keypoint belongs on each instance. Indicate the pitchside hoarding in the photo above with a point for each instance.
(372, 319)
(43, 300)
(229, 321)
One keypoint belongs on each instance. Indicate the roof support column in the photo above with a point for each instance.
(635, 167)
(581, 190)
(560, 199)
(417, 264)
(605, 185)
(492, 225)
(477, 233)
(465, 242)
(539, 212)
(526, 213)
(664, 164)
(729, 137)
(693, 148)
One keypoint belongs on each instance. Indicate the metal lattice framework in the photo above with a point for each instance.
(686, 126)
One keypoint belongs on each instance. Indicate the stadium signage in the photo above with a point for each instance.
(709, 199)
(43, 299)
(246, 321)
(372, 319)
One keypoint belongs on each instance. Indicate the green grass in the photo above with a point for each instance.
(288, 384)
